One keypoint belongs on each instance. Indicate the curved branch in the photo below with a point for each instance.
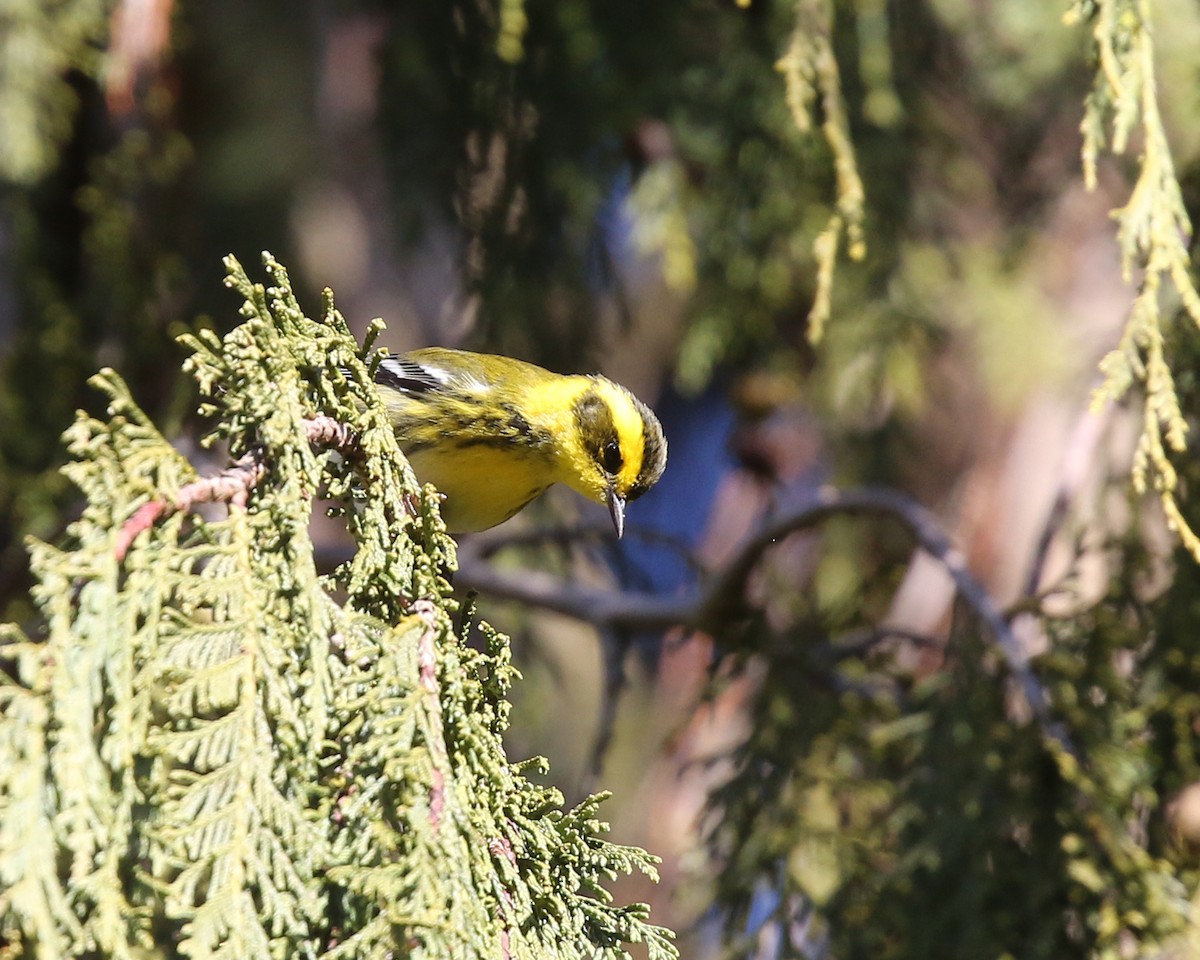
(724, 597)
(231, 485)
(603, 608)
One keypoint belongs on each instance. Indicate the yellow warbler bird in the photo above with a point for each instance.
(492, 433)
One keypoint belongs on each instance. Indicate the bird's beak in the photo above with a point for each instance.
(616, 510)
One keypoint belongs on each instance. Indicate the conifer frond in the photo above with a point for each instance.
(34, 906)
(207, 755)
(1153, 230)
(40, 45)
(812, 76)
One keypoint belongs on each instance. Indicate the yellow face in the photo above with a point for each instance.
(631, 436)
(608, 443)
(605, 442)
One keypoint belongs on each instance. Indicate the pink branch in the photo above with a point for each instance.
(232, 485)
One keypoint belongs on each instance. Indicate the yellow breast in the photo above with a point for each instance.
(484, 485)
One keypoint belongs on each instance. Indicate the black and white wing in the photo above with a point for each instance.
(408, 376)
(435, 369)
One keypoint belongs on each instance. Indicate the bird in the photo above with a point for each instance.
(492, 433)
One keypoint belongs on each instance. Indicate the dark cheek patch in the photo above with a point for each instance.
(597, 429)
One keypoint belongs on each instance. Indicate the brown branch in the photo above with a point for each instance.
(232, 485)
(724, 598)
(327, 432)
(487, 544)
(861, 642)
(1077, 458)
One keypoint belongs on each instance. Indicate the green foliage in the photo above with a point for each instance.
(1153, 231)
(570, 128)
(208, 755)
(40, 44)
(811, 69)
(877, 811)
(918, 817)
(95, 279)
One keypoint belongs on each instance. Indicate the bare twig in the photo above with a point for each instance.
(328, 432)
(488, 544)
(724, 598)
(864, 641)
(631, 610)
(1077, 458)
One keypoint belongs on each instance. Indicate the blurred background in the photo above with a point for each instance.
(839, 769)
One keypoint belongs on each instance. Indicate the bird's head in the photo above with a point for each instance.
(620, 451)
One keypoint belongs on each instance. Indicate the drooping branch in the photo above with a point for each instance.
(1154, 231)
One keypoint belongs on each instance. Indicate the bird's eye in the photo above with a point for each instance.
(611, 457)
